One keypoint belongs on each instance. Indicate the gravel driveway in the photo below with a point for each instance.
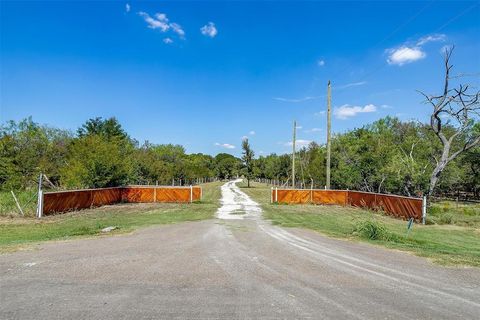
(237, 266)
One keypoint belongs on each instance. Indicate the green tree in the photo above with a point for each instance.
(96, 162)
(248, 161)
(109, 128)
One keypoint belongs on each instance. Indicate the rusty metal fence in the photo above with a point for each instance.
(64, 201)
(398, 206)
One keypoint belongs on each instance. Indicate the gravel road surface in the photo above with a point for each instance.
(237, 266)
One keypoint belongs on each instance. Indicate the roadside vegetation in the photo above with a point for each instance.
(15, 232)
(452, 241)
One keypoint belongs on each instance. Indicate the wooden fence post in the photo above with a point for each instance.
(191, 194)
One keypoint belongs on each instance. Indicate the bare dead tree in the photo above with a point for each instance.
(459, 109)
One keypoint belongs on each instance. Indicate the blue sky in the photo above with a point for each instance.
(205, 74)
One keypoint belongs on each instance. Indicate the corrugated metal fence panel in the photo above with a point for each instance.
(403, 207)
(173, 195)
(400, 206)
(329, 197)
(197, 193)
(361, 199)
(101, 197)
(138, 194)
(66, 201)
(293, 196)
(63, 201)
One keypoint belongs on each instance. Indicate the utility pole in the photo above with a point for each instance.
(329, 125)
(293, 153)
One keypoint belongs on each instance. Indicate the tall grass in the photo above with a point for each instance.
(27, 200)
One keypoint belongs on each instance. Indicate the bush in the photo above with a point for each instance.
(372, 230)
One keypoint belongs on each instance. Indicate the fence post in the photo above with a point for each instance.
(40, 197)
(424, 209)
(271, 195)
(201, 194)
(155, 191)
(191, 194)
(276, 194)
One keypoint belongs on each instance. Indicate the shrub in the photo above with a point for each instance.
(372, 230)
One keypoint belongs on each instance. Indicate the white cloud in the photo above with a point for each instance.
(252, 133)
(386, 106)
(298, 143)
(403, 55)
(320, 113)
(161, 17)
(244, 137)
(346, 111)
(225, 145)
(168, 40)
(313, 130)
(209, 30)
(297, 100)
(299, 127)
(127, 7)
(431, 38)
(160, 21)
(154, 23)
(411, 52)
(321, 63)
(177, 29)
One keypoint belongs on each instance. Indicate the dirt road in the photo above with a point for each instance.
(237, 266)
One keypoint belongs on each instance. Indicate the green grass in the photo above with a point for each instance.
(16, 231)
(444, 244)
(27, 200)
(456, 213)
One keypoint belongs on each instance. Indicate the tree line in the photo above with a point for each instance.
(387, 156)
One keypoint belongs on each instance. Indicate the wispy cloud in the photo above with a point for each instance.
(319, 113)
(348, 85)
(298, 143)
(167, 40)
(161, 22)
(127, 7)
(225, 145)
(313, 130)
(411, 52)
(297, 100)
(346, 111)
(252, 133)
(156, 23)
(178, 29)
(321, 62)
(431, 38)
(209, 30)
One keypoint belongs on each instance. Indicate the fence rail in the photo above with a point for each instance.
(399, 206)
(64, 201)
